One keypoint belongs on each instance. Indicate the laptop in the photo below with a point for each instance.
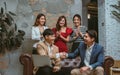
(40, 61)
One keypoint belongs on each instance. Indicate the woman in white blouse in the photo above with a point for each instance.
(37, 29)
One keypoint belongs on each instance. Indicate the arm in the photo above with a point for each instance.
(65, 39)
(73, 36)
(57, 65)
(68, 33)
(80, 33)
(35, 34)
(100, 59)
(40, 49)
(58, 35)
(57, 61)
(74, 54)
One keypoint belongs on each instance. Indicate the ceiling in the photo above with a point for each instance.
(93, 1)
(92, 7)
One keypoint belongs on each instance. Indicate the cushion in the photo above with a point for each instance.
(71, 62)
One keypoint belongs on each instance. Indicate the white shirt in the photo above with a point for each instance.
(36, 34)
(88, 55)
(50, 48)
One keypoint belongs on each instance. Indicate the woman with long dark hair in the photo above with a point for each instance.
(62, 33)
(37, 29)
(78, 32)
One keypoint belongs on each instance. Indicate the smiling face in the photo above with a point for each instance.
(62, 22)
(50, 38)
(87, 39)
(90, 37)
(42, 20)
(76, 21)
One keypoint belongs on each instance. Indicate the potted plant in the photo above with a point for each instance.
(10, 37)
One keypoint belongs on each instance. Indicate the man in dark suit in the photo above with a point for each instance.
(91, 53)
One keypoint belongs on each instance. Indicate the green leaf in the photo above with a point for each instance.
(15, 26)
(117, 7)
(3, 28)
(5, 6)
(11, 33)
(116, 14)
(2, 10)
(12, 13)
(9, 20)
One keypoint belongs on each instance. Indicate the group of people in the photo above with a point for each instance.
(52, 43)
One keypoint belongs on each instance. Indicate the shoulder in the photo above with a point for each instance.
(34, 27)
(45, 27)
(69, 30)
(82, 44)
(41, 44)
(54, 29)
(56, 48)
(98, 46)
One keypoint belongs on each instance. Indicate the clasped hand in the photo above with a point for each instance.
(63, 55)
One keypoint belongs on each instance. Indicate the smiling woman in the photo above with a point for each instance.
(38, 29)
(62, 34)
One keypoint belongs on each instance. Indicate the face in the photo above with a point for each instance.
(76, 21)
(62, 22)
(50, 39)
(42, 20)
(87, 39)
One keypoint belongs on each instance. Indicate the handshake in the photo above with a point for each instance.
(63, 55)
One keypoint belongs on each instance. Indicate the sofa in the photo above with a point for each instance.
(27, 62)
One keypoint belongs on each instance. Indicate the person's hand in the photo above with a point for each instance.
(83, 69)
(79, 32)
(61, 36)
(63, 55)
(76, 33)
(35, 69)
(56, 68)
(57, 34)
(51, 55)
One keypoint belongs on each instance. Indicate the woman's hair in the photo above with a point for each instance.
(37, 19)
(59, 19)
(77, 15)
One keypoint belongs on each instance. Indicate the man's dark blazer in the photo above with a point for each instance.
(97, 56)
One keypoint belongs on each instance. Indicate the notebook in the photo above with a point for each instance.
(39, 60)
